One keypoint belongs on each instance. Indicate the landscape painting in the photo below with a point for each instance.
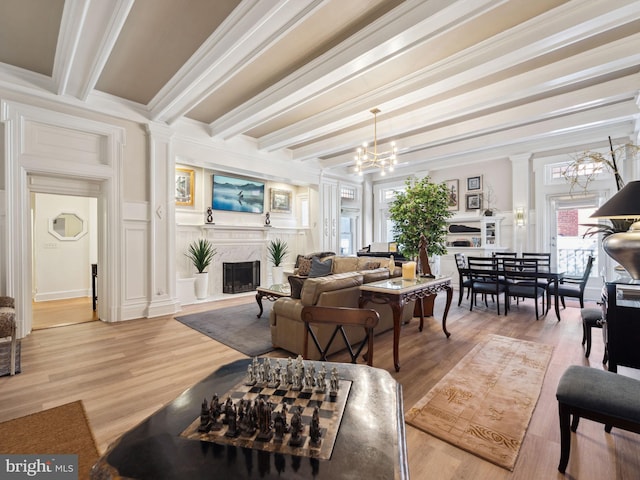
(237, 194)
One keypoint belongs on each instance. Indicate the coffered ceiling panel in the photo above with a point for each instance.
(455, 80)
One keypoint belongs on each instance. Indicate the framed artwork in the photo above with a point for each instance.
(185, 179)
(237, 194)
(280, 201)
(474, 183)
(454, 196)
(393, 247)
(474, 201)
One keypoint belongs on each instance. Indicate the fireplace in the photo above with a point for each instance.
(238, 277)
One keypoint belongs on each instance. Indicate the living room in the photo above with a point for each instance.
(502, 92)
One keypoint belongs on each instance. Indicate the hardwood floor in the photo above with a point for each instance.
(125, 371)
(61, 313)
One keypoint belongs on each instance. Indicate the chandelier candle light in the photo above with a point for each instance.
(366, 158)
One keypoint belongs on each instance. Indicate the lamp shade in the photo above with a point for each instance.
(624, 204)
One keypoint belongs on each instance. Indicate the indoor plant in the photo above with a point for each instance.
(276, 250)
(201, 254)
(422, 209)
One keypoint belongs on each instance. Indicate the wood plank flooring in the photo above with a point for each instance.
(61, 313)
(125, 371)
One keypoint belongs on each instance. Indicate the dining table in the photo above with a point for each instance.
(553, 276)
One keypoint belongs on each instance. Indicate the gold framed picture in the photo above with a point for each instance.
(280, 201)
(184, 187)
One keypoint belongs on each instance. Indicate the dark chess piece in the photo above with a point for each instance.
(204, 417)
(228, 406)
(296, 439)
(264, 421)
(284, 412)
(231, 415)
(209, 215)
(314, 429)
(215, 409)
(278, 425)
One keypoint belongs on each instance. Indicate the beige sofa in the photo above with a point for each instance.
(340, 289)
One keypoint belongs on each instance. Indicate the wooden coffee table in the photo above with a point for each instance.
(272, 293)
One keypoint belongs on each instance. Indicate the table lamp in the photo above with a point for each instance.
(624, 247)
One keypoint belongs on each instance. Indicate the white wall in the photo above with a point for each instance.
(62, 267)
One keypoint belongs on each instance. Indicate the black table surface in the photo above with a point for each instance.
(370, 443)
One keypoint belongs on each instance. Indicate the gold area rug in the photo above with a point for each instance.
(58, 430)
(484, 404)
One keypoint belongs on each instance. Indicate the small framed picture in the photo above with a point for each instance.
(280, 201)
(184, 187)
(474, 183)
(474, 201)
(454, 196)
(393, 247)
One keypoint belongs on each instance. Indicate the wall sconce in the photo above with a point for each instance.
(520, 217)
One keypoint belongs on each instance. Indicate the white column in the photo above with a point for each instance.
(161, 254)
(521, 180)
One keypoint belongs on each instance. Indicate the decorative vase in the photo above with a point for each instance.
(202, 285)
(623, 247)
(277, 274)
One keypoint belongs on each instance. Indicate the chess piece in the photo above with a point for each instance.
(333, 383)
(264, 421)
(204, 417)
(284, 412)
(321, 382)
(209, 215)
(228, 405)
(296, 385)
(296, 429)
(314, 428)
(278, 425)
(215, 409)
(308, 381)
(251, 376)
(232, 431)
(289, 370)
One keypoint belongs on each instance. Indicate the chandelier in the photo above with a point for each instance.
(366, 158)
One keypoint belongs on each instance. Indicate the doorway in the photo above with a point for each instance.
(570, 247)
(64, 239)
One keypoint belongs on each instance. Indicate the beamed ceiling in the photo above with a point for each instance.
(454, 80)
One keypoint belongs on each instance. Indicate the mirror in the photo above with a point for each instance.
(67, 226)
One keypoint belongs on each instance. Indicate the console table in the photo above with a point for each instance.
(370, 442)
(396, 292)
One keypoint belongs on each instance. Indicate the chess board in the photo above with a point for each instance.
(330, 413)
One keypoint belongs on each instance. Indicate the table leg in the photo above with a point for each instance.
(259, 300)
(446, 310)
(396, 308)
(556, 298)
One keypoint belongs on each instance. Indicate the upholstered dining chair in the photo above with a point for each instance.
(341, 317)
(521, 279)
(8, 329)
(485, 278)
(464, 281)
(574, 286)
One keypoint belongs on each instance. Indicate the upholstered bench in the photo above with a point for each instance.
(597, 395)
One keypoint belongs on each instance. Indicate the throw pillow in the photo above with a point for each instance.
(304, 267)
(320, 269)
(371, 265)
(296, 284)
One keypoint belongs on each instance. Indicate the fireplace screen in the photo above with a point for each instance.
(238, 277)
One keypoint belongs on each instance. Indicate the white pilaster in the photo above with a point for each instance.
(521, 179)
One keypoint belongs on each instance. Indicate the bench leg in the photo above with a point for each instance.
(564, 413)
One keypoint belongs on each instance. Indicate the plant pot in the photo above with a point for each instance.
(202, 285)
(277, 274)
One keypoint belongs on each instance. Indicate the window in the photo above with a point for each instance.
(347, 193)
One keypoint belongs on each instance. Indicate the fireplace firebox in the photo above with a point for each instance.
(238, 277)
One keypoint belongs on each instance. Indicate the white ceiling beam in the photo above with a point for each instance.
(89, 31)
(250, 30)
(389, 36)
(539, 36)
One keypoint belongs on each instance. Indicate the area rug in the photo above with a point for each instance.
(484, 404)
(59, 430)
(237, 327)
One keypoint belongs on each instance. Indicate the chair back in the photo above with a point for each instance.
(485, 269)
(544, 259)
(587, 271)
(521, 270)
(340, 317)
(461, 261)
(502, 255)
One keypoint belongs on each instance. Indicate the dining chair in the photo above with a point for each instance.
(574, 286)
(522, 282)
(485, 273)
(544, 262)
(340, 317)
(464, 281)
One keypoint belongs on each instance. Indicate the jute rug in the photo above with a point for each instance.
(484, 404)
(237, 327)
(59, 430)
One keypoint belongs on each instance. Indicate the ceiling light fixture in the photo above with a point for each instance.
(366, 158)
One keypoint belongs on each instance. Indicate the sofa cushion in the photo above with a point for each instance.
(296, 283)
(320, 268)
(304, 266)
(375, 275)
(345, 264)
(313, 287)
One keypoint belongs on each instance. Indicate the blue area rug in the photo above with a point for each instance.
(237, 327)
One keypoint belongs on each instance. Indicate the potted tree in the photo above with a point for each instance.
(276, 250)
(201, 254)
(422, 209)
